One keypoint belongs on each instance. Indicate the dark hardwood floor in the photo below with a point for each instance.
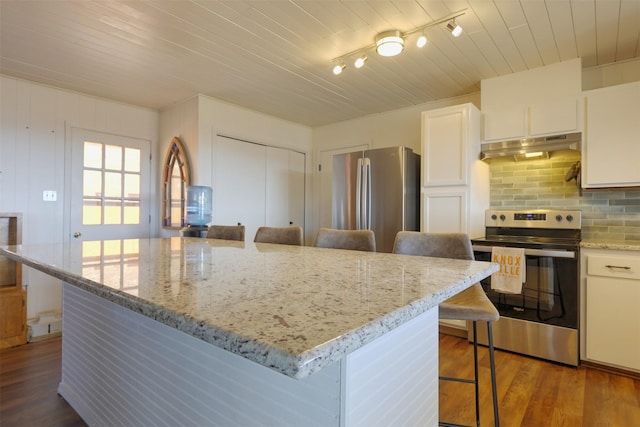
(29, 378)
(532, 392)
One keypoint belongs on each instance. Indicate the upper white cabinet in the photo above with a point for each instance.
(533, 103)
(455, 183)
(611, 143)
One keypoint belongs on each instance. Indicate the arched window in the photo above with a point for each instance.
(175, 179)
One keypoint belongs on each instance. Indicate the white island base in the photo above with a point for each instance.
(122, 368)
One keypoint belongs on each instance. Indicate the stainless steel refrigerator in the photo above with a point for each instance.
(377, 190)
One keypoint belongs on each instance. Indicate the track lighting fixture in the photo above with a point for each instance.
(455, 29)
(391, 43)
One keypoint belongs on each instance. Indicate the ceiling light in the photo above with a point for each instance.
(359, 62)
(422, 41)
(389, 43)
(455, 29)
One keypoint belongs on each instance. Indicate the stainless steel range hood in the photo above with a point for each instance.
(521, 148)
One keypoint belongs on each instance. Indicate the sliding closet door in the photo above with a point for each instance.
(239, 195)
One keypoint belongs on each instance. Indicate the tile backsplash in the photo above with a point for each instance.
(606, 214)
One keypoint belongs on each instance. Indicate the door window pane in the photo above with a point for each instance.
(132, 212)
(112, 184)
(112, 212)
(92, 184)
(113, 157)
(92, 155)
(131, 160)
(131, 186)
(91, 212)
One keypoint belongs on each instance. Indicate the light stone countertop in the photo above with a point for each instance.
(622, 245)
(293, 309)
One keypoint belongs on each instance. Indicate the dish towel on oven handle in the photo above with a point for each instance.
(512, 273)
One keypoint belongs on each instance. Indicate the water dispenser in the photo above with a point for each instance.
(199, 201)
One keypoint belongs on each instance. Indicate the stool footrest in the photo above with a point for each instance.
(453, 425)
(459, 380)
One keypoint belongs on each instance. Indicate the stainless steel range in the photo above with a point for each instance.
(541, 320)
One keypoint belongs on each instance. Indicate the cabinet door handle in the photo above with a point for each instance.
(622, 267)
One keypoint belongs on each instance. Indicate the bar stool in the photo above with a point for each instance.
(226, 232)
(471, 304)
(357, 240)
(281, 235)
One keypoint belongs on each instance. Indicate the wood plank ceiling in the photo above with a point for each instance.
(275, 56)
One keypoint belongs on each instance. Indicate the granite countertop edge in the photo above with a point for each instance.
(624, 245)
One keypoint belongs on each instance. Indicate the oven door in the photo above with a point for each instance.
(550, 293)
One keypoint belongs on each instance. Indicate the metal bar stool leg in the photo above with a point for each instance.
(475, 368)
(492, 363)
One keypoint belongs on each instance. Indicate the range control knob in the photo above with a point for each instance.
(502, 217)
(494, 217)
(558, 218)
(569, 218)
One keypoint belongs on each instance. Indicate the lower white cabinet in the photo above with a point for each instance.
(611, 321)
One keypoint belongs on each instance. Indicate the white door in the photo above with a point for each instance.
(325, 172)
(110, 186)
(297, 176)
(238, 181)
(285, 187)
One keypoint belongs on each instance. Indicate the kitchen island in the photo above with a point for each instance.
(187, 331)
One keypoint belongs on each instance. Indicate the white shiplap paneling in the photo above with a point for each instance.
(121, 368)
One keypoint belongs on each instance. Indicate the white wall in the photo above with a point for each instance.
(34, 148)
(611, 74)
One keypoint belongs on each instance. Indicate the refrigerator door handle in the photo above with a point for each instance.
(367, 190)
(359, 194)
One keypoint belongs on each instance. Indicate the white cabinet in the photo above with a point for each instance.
(533, 103)
(257, 185)
(455, 183)
(610, 295)
(611, 150)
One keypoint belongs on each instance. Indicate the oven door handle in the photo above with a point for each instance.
(533, 252)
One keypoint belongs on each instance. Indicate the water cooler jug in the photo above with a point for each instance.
(198, 211)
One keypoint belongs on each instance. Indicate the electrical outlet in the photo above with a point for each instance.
(49, 196)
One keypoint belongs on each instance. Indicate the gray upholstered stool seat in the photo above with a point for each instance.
(472, 304)
(281, 235)
(357, 240)
(226, 232)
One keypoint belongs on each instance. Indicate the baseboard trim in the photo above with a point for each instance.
(611, 369)
(450, 330)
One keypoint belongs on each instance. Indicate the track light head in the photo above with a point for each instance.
(359, 62)
(422, 41)
(338, 69)
(455, 29)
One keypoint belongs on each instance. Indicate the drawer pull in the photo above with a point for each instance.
(622, 267)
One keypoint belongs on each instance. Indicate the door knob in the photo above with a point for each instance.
(77, 234)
